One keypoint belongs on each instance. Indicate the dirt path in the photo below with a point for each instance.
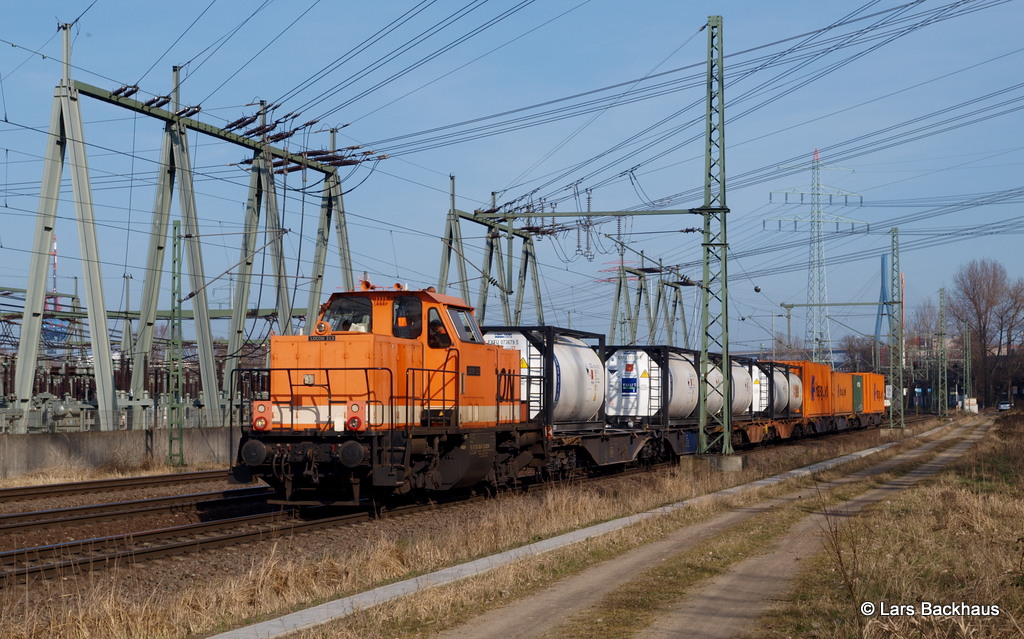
(745, 592)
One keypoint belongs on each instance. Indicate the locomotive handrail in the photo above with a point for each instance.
(387, 406)
(426, 399)
(509, 382)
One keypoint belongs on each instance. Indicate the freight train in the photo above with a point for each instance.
(396, 391)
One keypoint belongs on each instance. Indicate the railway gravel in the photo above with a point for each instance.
(99, 495)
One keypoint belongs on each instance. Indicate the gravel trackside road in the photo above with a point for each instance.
(723, 606)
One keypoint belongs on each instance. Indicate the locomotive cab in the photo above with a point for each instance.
(392, 390)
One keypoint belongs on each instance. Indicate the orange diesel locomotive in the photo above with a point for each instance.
(393, 390)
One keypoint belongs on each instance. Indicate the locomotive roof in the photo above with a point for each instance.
(429, 293)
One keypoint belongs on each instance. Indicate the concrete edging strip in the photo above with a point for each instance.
(332, 610)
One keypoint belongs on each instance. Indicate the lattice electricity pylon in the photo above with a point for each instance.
(940, 336)
(67, 132)
(175, 365)
(714, 340)
(896, 336)
(818, 335)
(66, 138)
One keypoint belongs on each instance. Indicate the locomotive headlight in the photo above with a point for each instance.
(260, 423)
(354, 423)
(354, 408)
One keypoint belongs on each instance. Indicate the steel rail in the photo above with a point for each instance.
(100, 512)
(46, 490)
(60, 559)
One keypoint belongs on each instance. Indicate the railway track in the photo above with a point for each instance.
(62, 559)
(122, 483)
(82, 555)
(57, 560)
(74, 556)
(209, 501)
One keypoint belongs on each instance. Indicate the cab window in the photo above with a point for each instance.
(349, 314)
(408, 317)
(465, 325)
(437, 334)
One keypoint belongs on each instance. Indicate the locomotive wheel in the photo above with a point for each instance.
(378, 504)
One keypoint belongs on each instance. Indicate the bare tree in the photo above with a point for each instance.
(1009, 316)
(859, 353)
(980, 289)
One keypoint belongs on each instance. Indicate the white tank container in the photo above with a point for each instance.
(796, 393)
(715, 379)
(782, 396)
(635, 383)
(763, 387)
(741, 388)
(578, 375)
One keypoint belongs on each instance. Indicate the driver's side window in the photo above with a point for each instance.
(437, 334)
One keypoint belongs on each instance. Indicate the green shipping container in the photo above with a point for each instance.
(858, 394)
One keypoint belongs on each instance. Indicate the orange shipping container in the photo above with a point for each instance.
(874, 393)
(843, 392)
(817, 382)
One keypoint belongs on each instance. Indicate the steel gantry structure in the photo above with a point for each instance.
(715, 429)
(67, 137)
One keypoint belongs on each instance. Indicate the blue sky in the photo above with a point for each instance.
(916, 102)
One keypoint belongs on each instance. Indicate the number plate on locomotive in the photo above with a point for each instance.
(321, 338)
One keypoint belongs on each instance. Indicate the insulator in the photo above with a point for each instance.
(344, 162)
(120, 91)
(277, 137)
(310, 123)
(354, 148)
(260, 130)
(132, 90)
(158, 101)
(240, 122)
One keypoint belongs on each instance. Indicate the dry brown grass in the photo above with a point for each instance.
(107, 606)
(73, 471)
(954, 539)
